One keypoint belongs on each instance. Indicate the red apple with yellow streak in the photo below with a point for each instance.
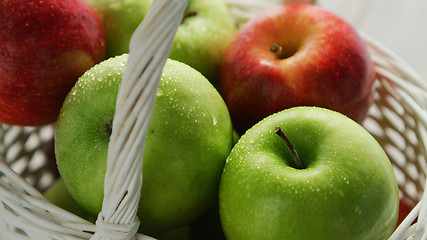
(44, 47)
(293, 55)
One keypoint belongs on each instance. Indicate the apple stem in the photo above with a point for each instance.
(278, 50)
(189, 14)
(294, 153)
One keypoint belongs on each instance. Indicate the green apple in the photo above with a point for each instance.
(189, 137)
(200, 41)
(181, 233)
(120, 19)
(344, 188)
(203, 37)
(58, 195)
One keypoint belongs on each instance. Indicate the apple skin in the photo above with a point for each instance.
(200, 41)
(325, 63)
(58, 195)
(405, 207)
(181, 233)
(189, 137)
(44, 47)
(120, 19)
(347, 190)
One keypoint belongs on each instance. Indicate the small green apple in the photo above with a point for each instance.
(189, 137)
(120, 19)
(345, 187)
(181, 233)
(200, 41)
(58, 195)
(203, 37)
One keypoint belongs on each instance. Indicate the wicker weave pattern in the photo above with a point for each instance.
(396, 123)
(398, 120)
(29, 152)
(26, 214)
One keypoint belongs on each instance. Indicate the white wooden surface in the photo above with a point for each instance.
(400, 25)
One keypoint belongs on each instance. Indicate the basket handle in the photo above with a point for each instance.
(149, 48)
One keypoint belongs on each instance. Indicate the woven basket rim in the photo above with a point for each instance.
(410, 86)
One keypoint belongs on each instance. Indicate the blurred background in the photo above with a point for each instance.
(399, 25)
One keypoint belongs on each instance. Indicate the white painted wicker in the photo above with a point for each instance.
(26, 214)
(398, 120)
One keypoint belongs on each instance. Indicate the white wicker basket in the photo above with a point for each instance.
(398, 120)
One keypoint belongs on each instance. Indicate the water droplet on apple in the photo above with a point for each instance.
(358, 211)
(5, 54)
(160, 92)
(214, 120)
(252, 141)
(346, 181)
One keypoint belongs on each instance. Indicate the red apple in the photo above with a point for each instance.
(44, 47)
(293, 55)
(405, 207)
